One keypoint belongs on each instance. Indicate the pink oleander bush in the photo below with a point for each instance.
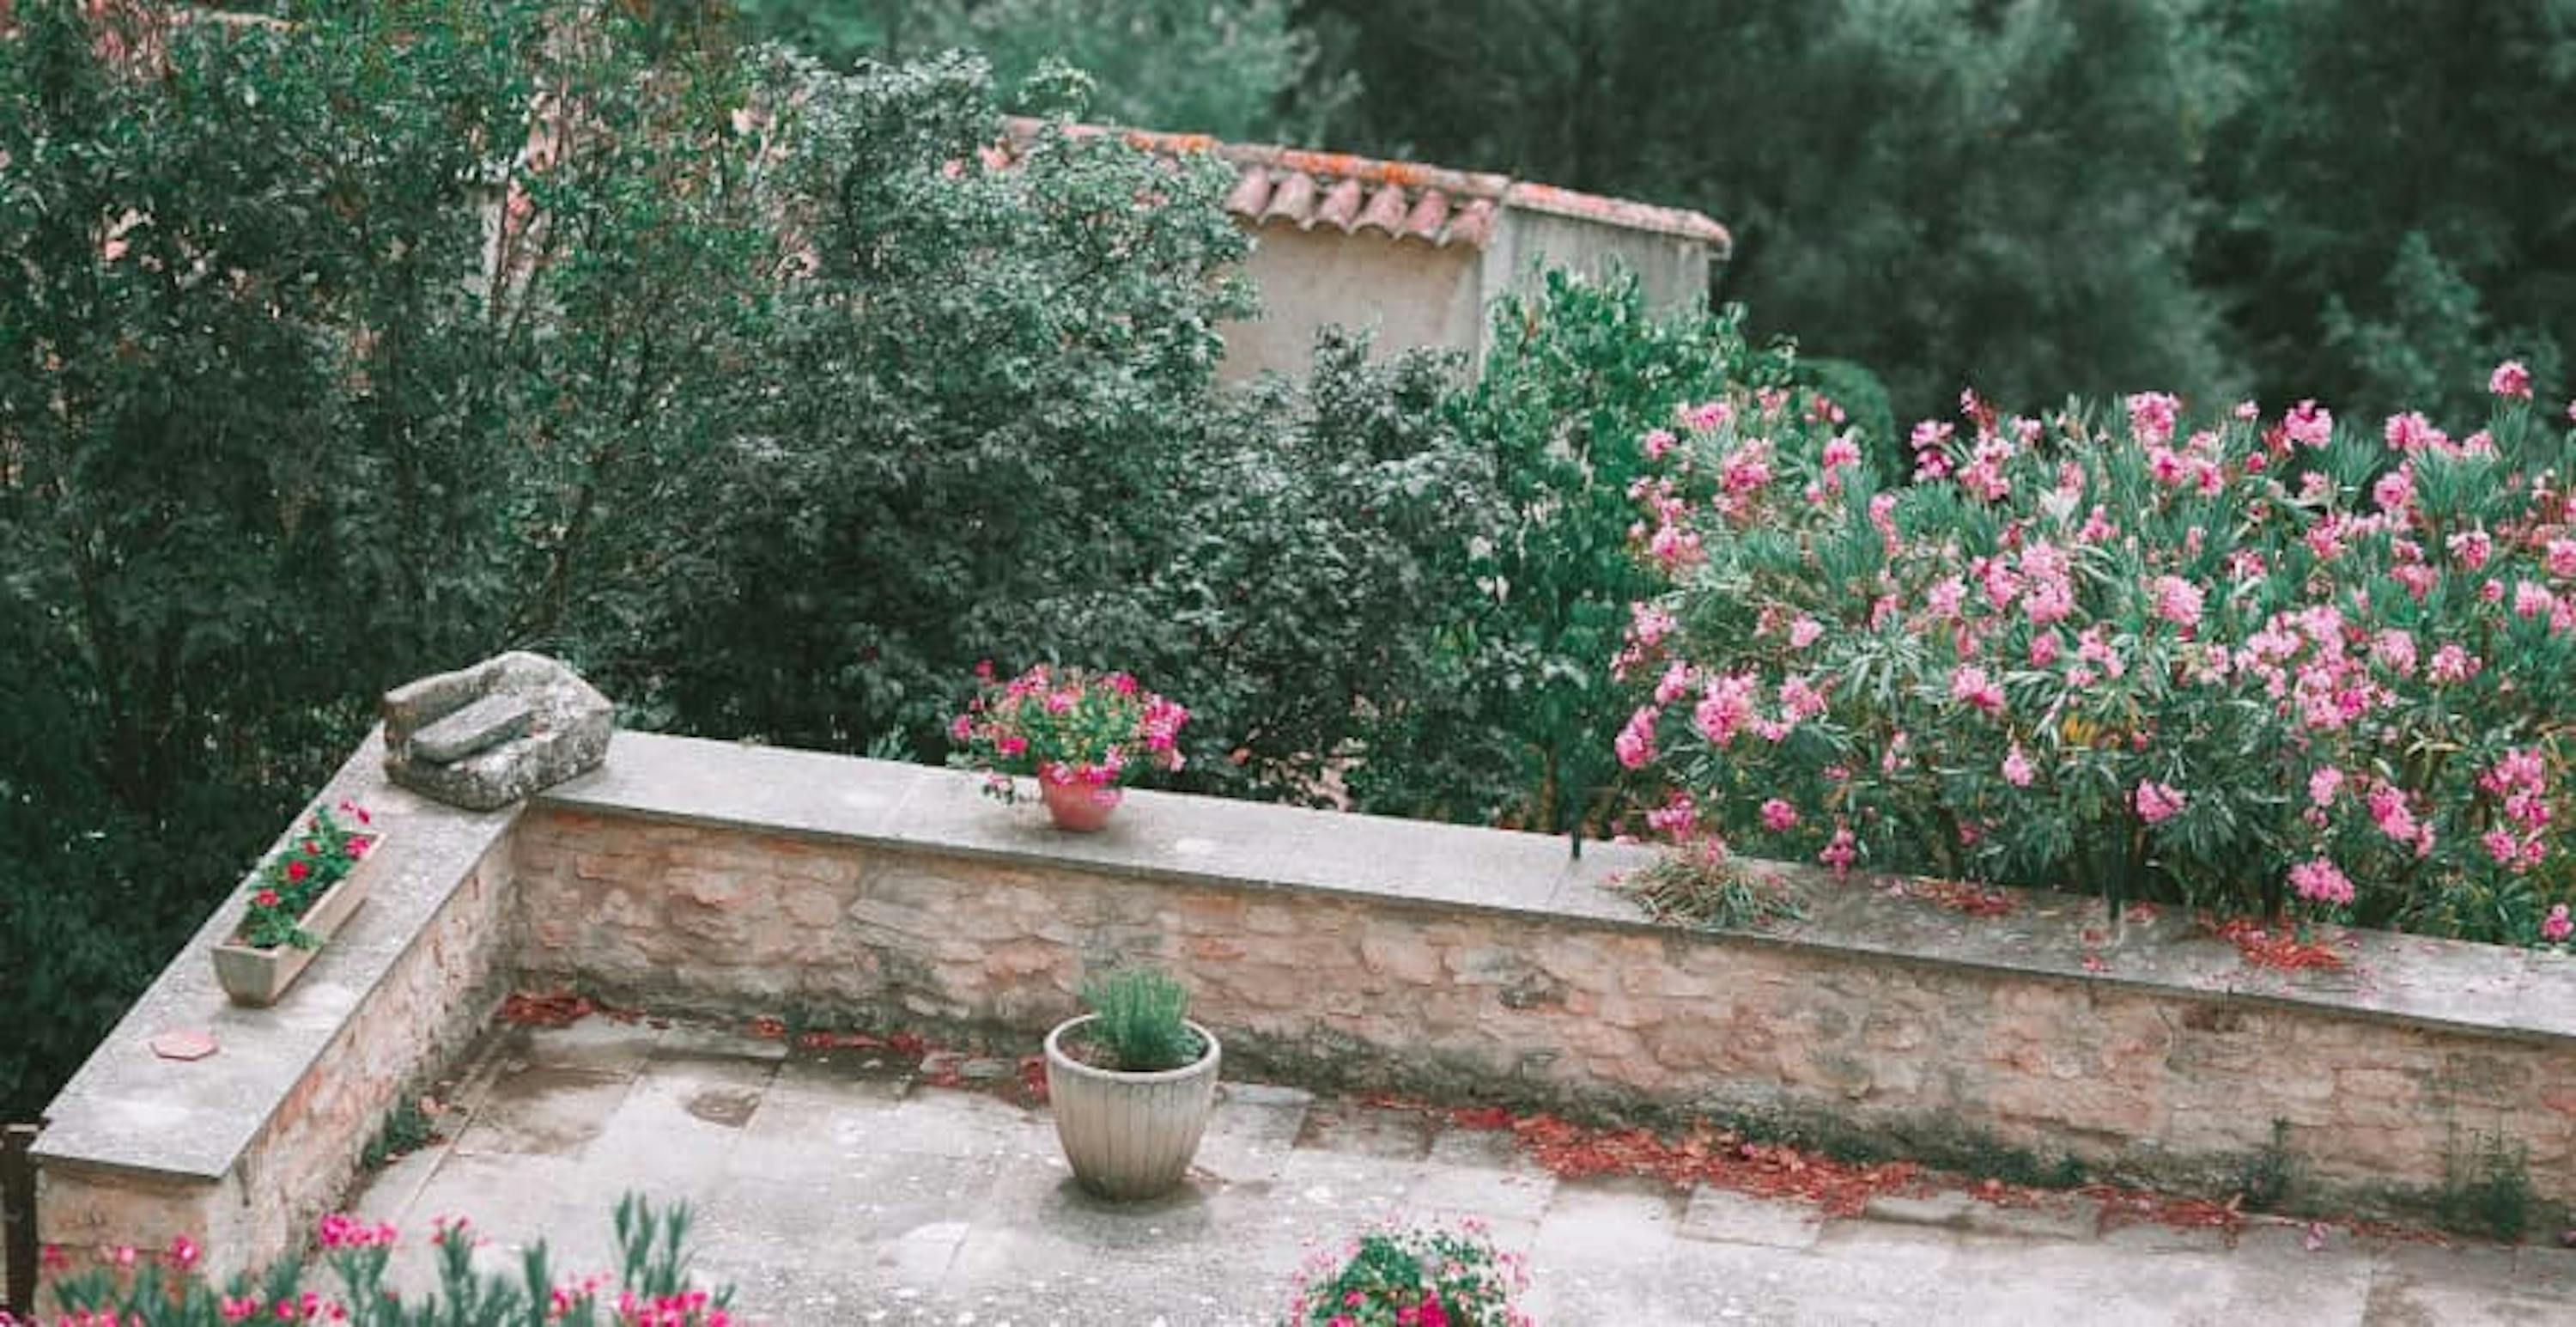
(130, 1288)
(1065, 725)
(1411, 1277)
(2243, 660)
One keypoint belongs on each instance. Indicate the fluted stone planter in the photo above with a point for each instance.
(1129, 1136)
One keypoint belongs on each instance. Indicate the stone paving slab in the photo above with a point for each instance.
(838, 1190)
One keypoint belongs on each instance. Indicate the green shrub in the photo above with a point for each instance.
(2486, 1187)
(1577, 373)
(1141, 1021)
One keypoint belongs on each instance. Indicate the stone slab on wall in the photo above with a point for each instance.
(243, 1150)
(1426, 957)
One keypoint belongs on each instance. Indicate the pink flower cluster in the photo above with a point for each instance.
(1067, 727)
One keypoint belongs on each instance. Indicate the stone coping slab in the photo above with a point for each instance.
(130, 1110)
(2407, 979)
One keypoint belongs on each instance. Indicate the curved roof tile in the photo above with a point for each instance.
(1404, 199)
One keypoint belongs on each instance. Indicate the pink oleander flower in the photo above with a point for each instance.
(1674, 683)
(2519, 769)
(2411, 433)
(2157, 802)
(1657, 442)
(2308, 424)
(1678, 816)
(2044, 648)
(2471, 548)
(2395, 491)
(2151, 417)
(2177, 601)
(2556, 927)
(1804, 631)
(1648, 624)
(2017, 771)
(1635, 744)
(2452, 664)
(1778, 816)
(1839, 851)
(2320, 881)
(1725, 707)
(1707, 415)
(2561, 557)
(2323, 783)
(1971, 684)
(1841, 453)
(2389, 811)
(2394, 650)
(2510, 379)
(2532, 599)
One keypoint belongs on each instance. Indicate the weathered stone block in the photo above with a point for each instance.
(484, 737)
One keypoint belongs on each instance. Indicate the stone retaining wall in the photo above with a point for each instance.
(1334, 949)
(1496, 968)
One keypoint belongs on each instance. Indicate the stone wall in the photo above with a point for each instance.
(1332, 949)
(2172, 1062)
(244, 1150)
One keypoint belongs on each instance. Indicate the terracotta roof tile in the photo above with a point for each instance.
(1306, 189)
(1340, 208)
(1251, 193)
(1292, 199)
(1385, 210)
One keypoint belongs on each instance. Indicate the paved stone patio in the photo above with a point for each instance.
(833, 1188)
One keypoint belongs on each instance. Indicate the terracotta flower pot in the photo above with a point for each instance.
(256, 977)
(1079, 807)
(1129, 1136)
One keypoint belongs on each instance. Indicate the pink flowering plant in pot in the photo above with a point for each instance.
(1403, 1276)
(2245, 661)
(1080, 735)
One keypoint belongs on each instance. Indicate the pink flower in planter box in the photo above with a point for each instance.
(2510, 379)
(2017, 770)
(1778, 816)
(2556, 927)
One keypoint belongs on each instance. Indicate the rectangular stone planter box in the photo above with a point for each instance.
(257, 977)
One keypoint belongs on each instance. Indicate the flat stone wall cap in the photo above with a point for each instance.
(486, 736)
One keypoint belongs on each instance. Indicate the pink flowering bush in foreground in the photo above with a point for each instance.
(1411, 1277)
(2242, 661)
(165, 1290)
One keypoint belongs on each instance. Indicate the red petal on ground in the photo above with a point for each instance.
(552, 1009)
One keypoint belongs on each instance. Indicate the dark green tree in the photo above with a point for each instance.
(2391, 212)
